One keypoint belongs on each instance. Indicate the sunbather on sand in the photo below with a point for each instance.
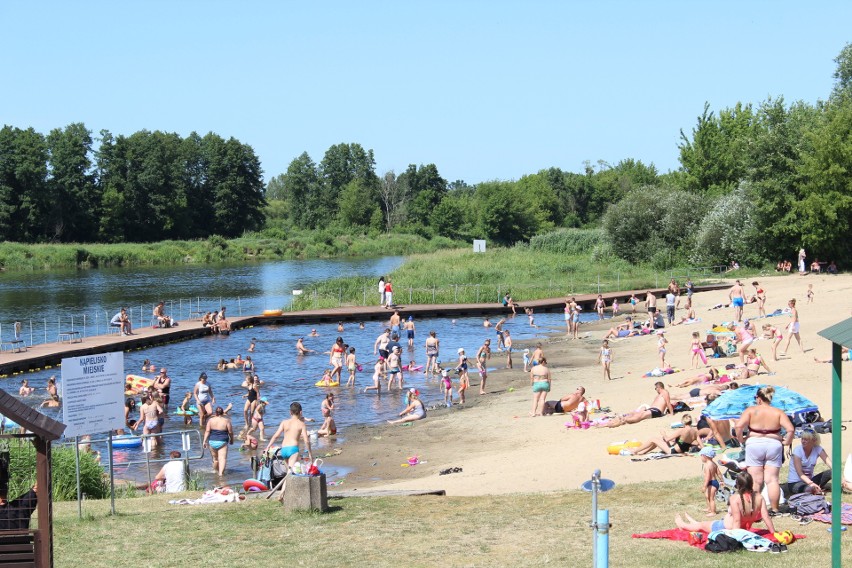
(624, 329)
(704, 391)
(662, 404)
(677, 441)
(567, 404)
(698, 379)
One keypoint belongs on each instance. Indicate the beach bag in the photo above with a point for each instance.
(723, 543)
(807, 504)
(805, 417)
(682, 407)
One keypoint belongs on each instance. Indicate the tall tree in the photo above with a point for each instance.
(425, 188)
(237, 189)
(301, 190)
(24, 199)
(75, 198)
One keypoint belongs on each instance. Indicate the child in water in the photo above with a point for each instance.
(326, 377)
(184, 408)
(351, 366)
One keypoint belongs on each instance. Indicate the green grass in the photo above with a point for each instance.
(462, 276)
(272, 244)
(509, 530)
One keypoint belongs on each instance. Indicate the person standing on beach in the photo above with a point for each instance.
(432, 347)
(661, 347)
(507, 342)
(802, 256)
(482, 357)
(737, 297)
(605, 358)
(294, 430)
(382, 291)
(690, 288)
(793, 328)
(568, 315)
(537, 354)
(600, 305)
(388, 295)
(651, 305)
(540, 380)
(464, 378)
(760, 296)
(671, 301)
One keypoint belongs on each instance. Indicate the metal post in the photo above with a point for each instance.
(77, 468)
(111, 475)
(409, 294)
(456, 294)
(596, 481)
(45, 330)
(84, 325)
(180, 308)
(837, 464)
(146, 447)
(364, 288)
(477, 293)
(602, 540)
(433, 294)
(31, 332)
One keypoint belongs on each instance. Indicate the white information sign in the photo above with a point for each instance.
(93, 394)
(478, 245)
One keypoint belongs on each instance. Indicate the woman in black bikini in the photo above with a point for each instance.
(678, 441)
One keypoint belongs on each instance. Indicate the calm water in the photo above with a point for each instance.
(287, 377)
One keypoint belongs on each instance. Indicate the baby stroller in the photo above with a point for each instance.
(270, 468)
(729, 480)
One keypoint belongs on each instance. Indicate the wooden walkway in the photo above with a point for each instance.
(47, 355)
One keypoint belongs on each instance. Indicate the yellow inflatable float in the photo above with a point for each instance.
(616, 447)
(134, 384)
(273, 312)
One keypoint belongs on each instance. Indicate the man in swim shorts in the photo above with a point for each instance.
(294, 429)
(651, 304)
(566, 403)
(662, 404)
(737, 297)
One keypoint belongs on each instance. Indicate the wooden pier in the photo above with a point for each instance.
(46, 355)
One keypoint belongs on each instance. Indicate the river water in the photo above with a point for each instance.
(287, 377)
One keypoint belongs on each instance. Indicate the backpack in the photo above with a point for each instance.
(681, 407)
(807, 504)
(806, 417)
(723, 543)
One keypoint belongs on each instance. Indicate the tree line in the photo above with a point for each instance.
(756, 182)
(148, 186)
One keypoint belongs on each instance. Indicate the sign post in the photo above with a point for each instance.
(92, 399)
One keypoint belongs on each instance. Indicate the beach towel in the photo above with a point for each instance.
(845, 515)
(683, 535)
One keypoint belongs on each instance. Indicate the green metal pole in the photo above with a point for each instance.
(836, 455)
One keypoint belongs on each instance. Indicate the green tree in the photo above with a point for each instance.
(507, 215)
(843, 72)
(358, 203)
(237, 185)
(75, 199)
(424, 189)
(302, 190)
(24, 197)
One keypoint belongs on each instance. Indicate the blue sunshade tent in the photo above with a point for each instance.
(732, 403)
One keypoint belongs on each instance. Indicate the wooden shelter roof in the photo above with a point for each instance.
(29, 418)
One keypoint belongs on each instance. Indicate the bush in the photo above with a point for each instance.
(568, 241)
(22, 468)
(727, 232)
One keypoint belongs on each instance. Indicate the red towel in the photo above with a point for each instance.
(683, 535)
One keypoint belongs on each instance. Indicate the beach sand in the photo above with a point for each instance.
(502, 450)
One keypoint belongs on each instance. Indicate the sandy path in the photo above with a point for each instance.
(502, 450)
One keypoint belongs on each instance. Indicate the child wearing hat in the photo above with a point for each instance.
(447, 387)
(464, 379)
(712, 477)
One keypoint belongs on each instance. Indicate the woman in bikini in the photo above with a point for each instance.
(760, 296)
(256, 424)
(710, 377)
(149, 417)
(765, 447)
(217, 437)
(675, 442)
(753, 364)
(745, 507)
(164, 385)
(540, 381)
(771, 333)
(251, 399)
(482, 357)
(336, 358)
(743, 338)
(432, 345)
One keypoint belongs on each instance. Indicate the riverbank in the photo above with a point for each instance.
(493, 438)
(271, 245)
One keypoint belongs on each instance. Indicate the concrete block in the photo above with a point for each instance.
(306, 493)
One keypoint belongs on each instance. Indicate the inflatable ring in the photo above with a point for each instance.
(614, 448)
(273, 312)
(254, 485)
(192, 411)
(322, 383)
(126, 441)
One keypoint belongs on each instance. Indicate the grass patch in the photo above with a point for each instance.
(266, 245)
(462, 276)
(517, 530)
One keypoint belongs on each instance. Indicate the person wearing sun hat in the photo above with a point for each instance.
(414, 409)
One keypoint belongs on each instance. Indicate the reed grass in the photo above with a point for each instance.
(273, 244)
(527, 273)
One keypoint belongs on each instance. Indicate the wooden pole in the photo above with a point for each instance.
(44, 543)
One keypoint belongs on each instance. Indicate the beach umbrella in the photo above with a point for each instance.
(732, 403)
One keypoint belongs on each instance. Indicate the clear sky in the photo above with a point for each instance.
(483, 89)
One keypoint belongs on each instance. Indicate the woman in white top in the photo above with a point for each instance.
(805, 457)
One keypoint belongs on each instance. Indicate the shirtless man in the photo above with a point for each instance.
(706, 390)
(380, 347)
(662, 404)
(566, 403)
(537, 354)
(160, 313)
(300, 347)
(651, 305)
(624, 329)
(294, 429)
(394, 322)
(737, 297)
(498, 327)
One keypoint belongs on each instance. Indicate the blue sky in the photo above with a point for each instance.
(485, 90)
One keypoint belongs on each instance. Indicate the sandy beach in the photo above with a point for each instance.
(501, 449)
